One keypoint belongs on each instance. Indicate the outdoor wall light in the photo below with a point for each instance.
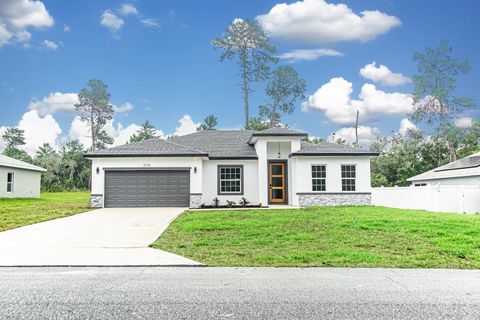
(98, 170)
(194, 169)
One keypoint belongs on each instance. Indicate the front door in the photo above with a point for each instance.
(277, 191)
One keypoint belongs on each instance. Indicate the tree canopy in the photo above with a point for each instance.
(147, 131)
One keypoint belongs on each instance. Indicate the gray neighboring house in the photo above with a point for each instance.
(274, 166)
(19, 179)
(464, 172)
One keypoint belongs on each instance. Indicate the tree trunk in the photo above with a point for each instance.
(356, 129)
(245, 89)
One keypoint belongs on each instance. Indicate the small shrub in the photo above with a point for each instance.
(230, 203)
(244, 202)
(216, 202)
(202, 205)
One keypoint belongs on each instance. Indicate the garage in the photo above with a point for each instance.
(147, 188)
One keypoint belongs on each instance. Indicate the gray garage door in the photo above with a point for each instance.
(150, 188)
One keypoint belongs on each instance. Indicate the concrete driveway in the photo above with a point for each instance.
(104, 237)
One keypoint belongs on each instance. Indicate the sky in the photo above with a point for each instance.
(158, 62)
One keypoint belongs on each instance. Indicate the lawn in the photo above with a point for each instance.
(15, 213)
(326, 237)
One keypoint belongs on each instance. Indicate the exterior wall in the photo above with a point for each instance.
(26, 183)
(465, 181)
(333, 195)
(210, 181)
(98, 179)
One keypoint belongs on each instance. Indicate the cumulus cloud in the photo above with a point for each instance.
(405, 126)
(382, 74)
(319, 22)
(366, 135)
(55, 102)
(127, 9)
(334, 99)
(39, 130)
(127, 106)
(111, 21)
(150, 23)
(50, 45)
(186, 126)
(463, 122)
(79, 131)
(18, 16)
(66, 28)
(309, 54)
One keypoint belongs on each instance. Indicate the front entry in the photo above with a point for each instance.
(277, 188)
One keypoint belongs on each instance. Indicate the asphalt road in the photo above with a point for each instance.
(237, 293)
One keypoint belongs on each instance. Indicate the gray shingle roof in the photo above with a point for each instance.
(279, 132)
(220, 143)
(468, 162)
(328, 148)
(14, 163)
(150, 147)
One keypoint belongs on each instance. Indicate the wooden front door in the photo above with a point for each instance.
(277, 191)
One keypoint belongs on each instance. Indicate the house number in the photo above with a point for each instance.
(146, 164)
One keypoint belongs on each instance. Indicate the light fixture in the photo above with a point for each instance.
(194, 169)
(98, 170)
(279, 154)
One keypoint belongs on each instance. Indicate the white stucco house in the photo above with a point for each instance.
(274, 166)
(19, 179)
(464, 172)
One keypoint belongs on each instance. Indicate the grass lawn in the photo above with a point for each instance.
(15, 213)
(326, 237)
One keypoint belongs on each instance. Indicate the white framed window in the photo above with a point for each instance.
(10, 177)
(349, 175)
(230, 179)
(319, 177)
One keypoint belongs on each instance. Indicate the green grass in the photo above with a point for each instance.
(326, 237)
(18, 212)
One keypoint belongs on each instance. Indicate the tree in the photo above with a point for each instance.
(18, 154)
(247, 42)
(94, 107)
(284, 90)
(258, 124)
(209, 123)
(147, 131)
(13, 138)
(435, 84)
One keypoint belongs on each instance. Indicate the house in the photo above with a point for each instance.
(274, 166)
(19, 179)
(465, 172)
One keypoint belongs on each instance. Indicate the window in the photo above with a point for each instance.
(10, 182)
(348, 177)
(230, 179)
(319, 175)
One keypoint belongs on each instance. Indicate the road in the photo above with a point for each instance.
(237, 293)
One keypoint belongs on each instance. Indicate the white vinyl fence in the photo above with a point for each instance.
(460, 199)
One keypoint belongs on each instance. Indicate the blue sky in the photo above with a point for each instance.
(157, 59)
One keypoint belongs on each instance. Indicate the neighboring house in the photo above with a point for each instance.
(465, 171)
(274, 166)
(19, 179)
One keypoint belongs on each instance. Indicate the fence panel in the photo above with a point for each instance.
(460, 199)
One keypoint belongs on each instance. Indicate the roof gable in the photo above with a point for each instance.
(14, 163)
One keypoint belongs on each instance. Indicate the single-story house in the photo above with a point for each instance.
(274, 166)
(19, 179)
(465, 172)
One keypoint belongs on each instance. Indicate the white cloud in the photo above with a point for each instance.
(66, 28)
(55, 102)
(47, 44)
(122, 135)
(383, 75)
(334, 99)
(463, 122)
(39, 130)
(366, 135)
(17, 16)
(150, 23)
(127, 106)
(319, 22)
(128, 9)
(309, 54)
(79, 130)
(186, 126)
(405, 126)
(111, 21)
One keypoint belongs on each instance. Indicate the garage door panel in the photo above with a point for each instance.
(150, 188)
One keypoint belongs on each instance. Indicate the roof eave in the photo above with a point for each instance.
(318, 154)
(260, 135)
(136, 155)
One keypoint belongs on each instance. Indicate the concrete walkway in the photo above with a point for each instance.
(112, 237)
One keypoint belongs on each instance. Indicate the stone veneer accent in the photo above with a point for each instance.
(334, 199)
(195, 200)
(96, 201)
